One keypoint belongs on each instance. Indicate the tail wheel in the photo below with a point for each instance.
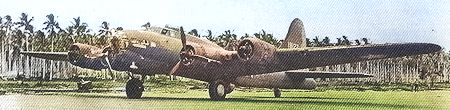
(217, 91)
(134, 89)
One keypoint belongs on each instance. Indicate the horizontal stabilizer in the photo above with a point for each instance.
(326, 74)
(58, 56)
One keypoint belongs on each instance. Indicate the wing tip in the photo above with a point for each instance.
(434, 47)
(368, 75)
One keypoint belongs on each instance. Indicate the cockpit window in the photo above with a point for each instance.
(164, 31)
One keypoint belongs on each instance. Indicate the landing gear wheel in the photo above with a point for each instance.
(276, 92)
(134, 89)
(217, 91)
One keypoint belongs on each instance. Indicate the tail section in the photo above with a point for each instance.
(295, 37)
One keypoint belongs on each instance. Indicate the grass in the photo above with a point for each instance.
(178, 95)
(199, 99)
(327, 100)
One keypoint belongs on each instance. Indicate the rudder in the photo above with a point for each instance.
(295, 37)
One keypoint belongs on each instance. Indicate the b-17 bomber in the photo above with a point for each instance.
(249, 62)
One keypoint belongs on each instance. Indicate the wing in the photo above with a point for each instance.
(285, 60)
(326, 74)
(58, 56)
(297, 59)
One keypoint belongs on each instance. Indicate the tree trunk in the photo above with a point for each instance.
(51, 70)
(44, 70)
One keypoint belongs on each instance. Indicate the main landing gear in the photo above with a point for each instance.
(134, 88)
(219, 89)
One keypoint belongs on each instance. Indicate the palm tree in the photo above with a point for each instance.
(316, 42)
(104, 32)
(17, 43)
(339, 42)
(308, 43)
(146, 26)
(39, 41)
(267, 38)
(209, 36)
(194, 32)
(105, 29)
(39, 44)
(51, 27)
(8, 34)
(365, 40)
(226, 38)
(357, 42)
(28, 32)
(78, 31)
(346, 41)
(245, 36)
(63, 40)
(326, 42)
(2, 37)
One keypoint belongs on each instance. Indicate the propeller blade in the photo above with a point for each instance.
(183, 38)
(175, 68)
(185, 55)
(109, 65)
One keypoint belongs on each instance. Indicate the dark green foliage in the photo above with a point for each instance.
(344, 41)
(228, 37)
(194, 32)
(14, 85)
(268, 38)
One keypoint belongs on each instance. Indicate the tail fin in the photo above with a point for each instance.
(295, 37)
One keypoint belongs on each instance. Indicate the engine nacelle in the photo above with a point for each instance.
(195, 49)
(246, 49)
(218, 54)
(77, 50)
(255, 48)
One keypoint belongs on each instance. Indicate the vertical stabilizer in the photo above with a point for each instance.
(295, 37)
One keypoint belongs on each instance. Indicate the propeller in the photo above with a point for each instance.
(187, 54)
(182, 52)
(245, 49)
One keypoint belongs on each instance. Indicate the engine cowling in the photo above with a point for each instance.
(250, 48)
(78, 50)
(213, 53)
(195, 49)
(246, 49)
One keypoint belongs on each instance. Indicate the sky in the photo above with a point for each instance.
(381, 21)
